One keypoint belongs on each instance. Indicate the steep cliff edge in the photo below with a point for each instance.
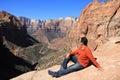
(13, 35)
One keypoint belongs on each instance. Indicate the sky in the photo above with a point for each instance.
(44, 9)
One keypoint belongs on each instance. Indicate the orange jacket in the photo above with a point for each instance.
(85, 56)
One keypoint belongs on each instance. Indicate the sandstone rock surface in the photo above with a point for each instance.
(98, 21)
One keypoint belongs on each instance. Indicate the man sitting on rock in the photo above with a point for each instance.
(81, 58)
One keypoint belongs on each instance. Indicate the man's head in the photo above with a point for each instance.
(84, 40)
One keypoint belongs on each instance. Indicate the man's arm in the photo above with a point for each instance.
(72, 53)
(92, 59)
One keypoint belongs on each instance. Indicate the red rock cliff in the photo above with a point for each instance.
(98, 22)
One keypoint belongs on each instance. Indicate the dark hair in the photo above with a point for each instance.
(84, 40)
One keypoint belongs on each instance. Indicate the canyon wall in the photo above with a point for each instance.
(98, 22)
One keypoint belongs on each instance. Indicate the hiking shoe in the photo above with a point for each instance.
(52, 73)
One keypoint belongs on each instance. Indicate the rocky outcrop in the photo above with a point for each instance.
(13, 35)
(98, 22)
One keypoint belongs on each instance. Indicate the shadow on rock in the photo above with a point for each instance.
(12, 66)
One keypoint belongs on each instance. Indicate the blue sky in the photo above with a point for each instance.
(44, 9)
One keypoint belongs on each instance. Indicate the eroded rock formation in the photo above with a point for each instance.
(97, 22)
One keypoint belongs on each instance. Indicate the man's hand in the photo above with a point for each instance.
(68, 55)
(100, 69)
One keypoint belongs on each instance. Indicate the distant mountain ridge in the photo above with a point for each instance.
(47, 30)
